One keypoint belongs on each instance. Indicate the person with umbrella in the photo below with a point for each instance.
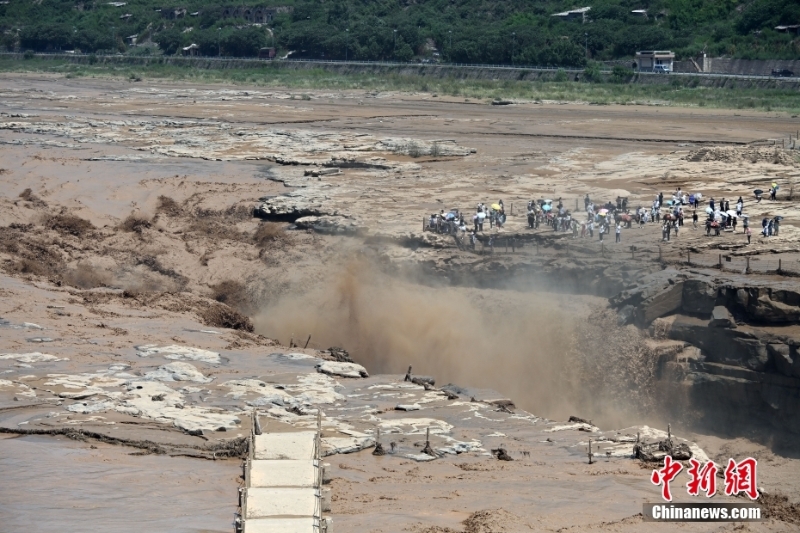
(758, 193)
(773, 191)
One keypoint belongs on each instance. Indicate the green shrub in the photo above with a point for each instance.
(591, 73)
(620, 74)
(28, 54)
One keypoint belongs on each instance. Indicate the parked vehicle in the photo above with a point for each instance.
(661, 69)
(782, 73)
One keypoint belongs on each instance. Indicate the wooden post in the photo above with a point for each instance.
(307, 341)
(427, 436)
(423, 224)
(590, 451)
(747, 270)
(256, 423)
(779, 265)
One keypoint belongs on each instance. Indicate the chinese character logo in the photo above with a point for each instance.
(704, 478)
(665, 475)
(739, 477)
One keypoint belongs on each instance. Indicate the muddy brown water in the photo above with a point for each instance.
(58, 485)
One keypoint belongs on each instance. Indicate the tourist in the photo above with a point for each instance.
(745, 224)
(481, 218)
(777, 225)
(739, 206)
(711, 204)
(619, 233)
(747, 232)
(733, 223)
(602, 231)
(694, 219)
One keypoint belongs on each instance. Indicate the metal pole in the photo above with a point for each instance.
(394, 50)
(219, 42)
(346, 42)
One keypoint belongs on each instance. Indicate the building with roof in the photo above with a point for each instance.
(793, 28)
(575, 14)
(647, 60)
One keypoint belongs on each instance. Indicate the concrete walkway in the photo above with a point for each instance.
(283, 485)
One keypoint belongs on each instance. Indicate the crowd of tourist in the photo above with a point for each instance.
(610, 217)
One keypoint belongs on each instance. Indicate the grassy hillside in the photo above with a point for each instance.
(468, 31)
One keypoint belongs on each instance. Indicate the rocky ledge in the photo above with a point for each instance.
(727, 345)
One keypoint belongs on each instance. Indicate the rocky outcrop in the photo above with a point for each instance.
(654, 296)
(722, 345)
(721, 318)
(740, 375)
(330, 225)
(699, 296)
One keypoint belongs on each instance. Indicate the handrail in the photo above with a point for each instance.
(542, 68)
